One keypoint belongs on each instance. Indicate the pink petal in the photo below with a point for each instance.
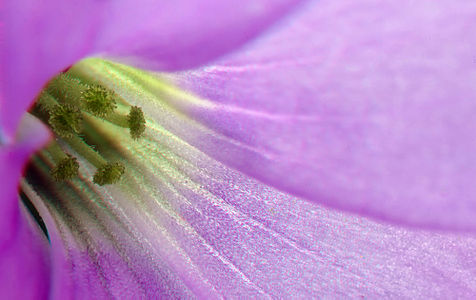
(41, 39)
(366, 106)
(182, 225)
(24, 254)
(171, 35)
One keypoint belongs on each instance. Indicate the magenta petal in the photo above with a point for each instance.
(41, 39)
(366, 106)
(182, 222)
(179, 34)
(24, 255)
(181, 225)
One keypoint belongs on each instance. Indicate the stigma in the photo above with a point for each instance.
(66, 105)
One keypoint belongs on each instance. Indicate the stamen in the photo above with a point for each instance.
(67, 89)
(62, 105)
(135, 121)
(65, 120)
(107, 172)
(45, 102)
(66, 169)
(80, 146)
(99, 101)
(66, 165)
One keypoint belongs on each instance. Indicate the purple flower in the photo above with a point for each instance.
(364, 106)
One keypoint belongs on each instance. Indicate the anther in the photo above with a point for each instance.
(62, 105)
(134, 121)
(42, 107)
(66, 120)
(99, 101)
(45, 102)
(66, 89)
(66, 169)
(109, 173)
(66, 165)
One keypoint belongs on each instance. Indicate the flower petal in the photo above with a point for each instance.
(24, 256)
(41, 39)
(171, 35)
(366, 106)
(181, 224)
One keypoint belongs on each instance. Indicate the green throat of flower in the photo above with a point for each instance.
(67, 105)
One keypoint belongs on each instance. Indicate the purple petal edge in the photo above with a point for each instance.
(24, 251)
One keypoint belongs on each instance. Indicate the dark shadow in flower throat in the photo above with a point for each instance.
(34, 213)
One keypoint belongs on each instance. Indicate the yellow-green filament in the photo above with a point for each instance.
(80, 146)
(135, 121)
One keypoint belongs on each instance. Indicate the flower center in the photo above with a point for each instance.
(67, 105)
